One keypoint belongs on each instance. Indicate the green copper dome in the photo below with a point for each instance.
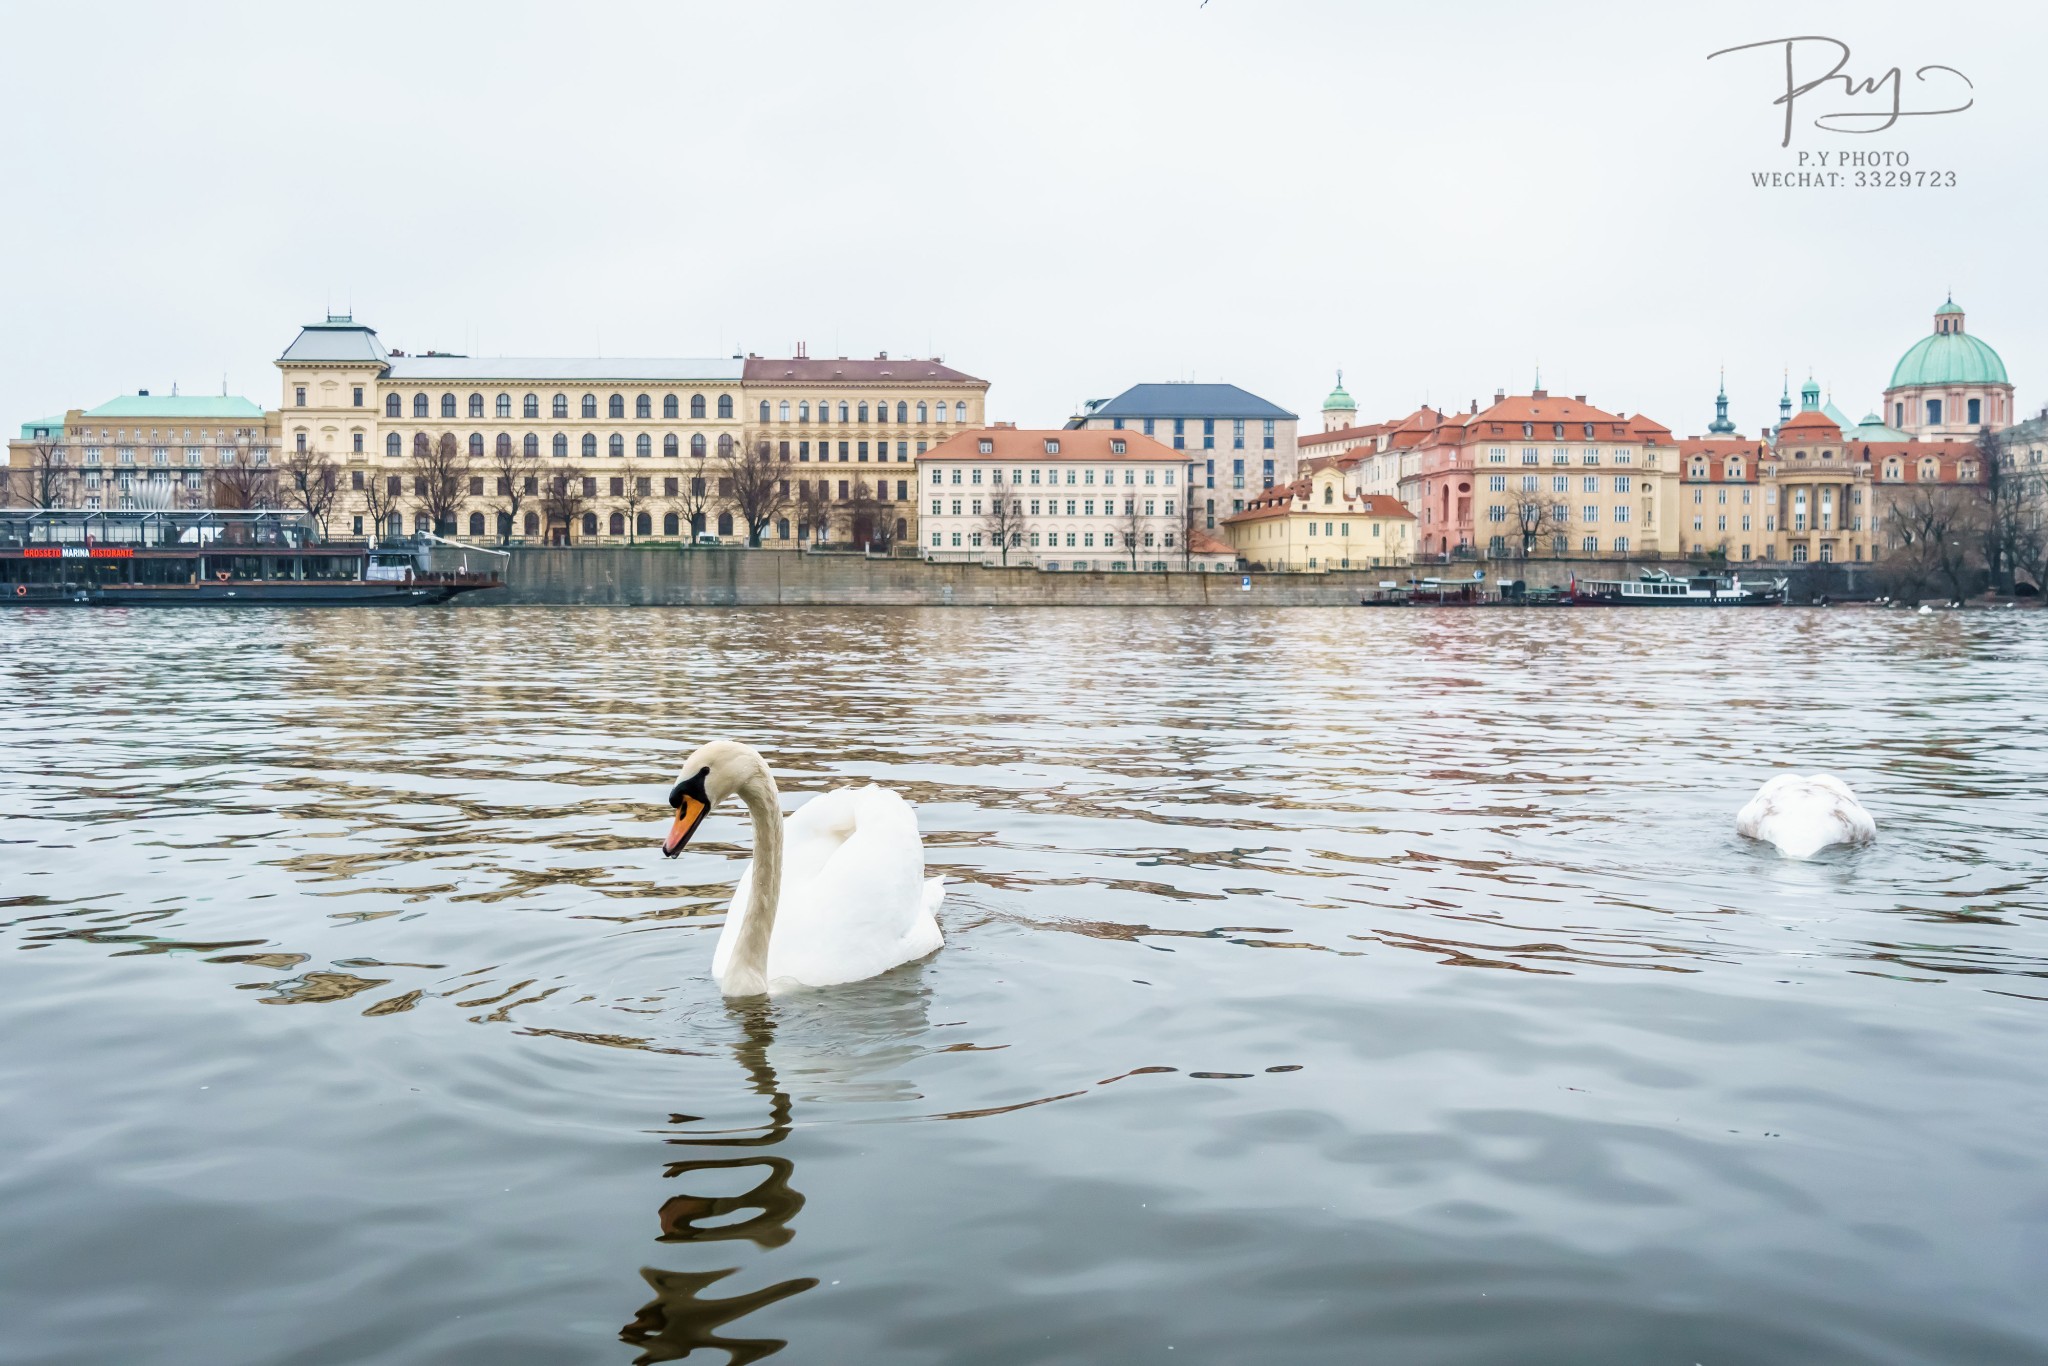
(1950, 307)
(1948, 358)
(1339, 399)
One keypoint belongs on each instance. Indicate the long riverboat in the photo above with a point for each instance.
(214, 557)
(1659, 588)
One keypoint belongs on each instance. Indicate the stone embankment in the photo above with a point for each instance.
(708, 577)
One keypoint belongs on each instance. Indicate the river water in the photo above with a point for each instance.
(1319, 986)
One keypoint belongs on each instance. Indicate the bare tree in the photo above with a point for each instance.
(1003, 523)
(44, 478)
(381, 493)
(518, 478)
(440, 473)
(242, 483)
(1531, 513)
(754, 487)
(311, 482)
(694, 500)
(2013, 492)
(1131, 523)
(562, 499)
(1935, 532)
(637, 490)
(1190, 521)
(815, 508)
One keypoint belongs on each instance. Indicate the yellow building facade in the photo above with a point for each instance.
(639, 443)
(1317, 524)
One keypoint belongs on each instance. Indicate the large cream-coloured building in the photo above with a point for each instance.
(137, 451)
(645, 438)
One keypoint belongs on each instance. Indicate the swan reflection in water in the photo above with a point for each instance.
(846, 1045)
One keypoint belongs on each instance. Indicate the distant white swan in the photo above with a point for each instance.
(1803, 815)
(836, 893)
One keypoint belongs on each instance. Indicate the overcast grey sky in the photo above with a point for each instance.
(1064, 198)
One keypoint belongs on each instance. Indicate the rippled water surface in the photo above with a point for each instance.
(1319, 986)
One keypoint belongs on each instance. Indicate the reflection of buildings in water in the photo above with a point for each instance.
(829, 1038)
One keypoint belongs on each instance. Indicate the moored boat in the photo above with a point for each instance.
(211, 557)
(1659, 588)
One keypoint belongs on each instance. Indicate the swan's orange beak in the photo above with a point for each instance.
(689, 815)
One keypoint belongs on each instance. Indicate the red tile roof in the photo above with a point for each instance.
(1280, 500)
(902, 370)
(1075, 443)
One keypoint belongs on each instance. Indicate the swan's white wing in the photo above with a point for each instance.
(811, 834)
(865, 908)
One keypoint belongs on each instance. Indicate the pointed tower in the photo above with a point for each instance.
(1340, 410)
(1784, 404)
(1809, 395)
(1721, 426)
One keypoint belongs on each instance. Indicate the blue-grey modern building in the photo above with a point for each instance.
(1237, 442)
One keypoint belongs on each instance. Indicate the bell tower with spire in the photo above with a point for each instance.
(1784, 404)
(1721, 426)
(1340, 410)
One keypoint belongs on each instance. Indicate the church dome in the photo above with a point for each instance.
(1339, 399)
(1948, 356)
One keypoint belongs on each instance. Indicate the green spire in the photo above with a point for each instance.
(1721, 426)
(1340, 400)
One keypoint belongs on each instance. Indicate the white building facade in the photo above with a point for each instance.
(1063, 499)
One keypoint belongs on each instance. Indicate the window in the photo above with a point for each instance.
(448, 407)
(588, 408)
(643, 445)
(902, 412)
(1591, 483)
(696, 405)
(697, 445)
(529, 407)
(669, 448)
(616, 447)
(530, 446)
(559, 406)
(1269, 434)
(725, 406)
(1933, 420)
(960, 411)
(1496, 483)
(561, 446)
(590, 445)
(299, 395)
(725, 445)
(393, 447)
(1529, 455)
(920, 410)
(302, 442)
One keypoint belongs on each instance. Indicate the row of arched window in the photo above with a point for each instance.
(615, 446)
(558, 406)
(671, 408)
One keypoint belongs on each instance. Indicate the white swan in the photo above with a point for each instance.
(836, 893)
(1803, 815)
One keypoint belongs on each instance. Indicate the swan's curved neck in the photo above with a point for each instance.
(747, 972)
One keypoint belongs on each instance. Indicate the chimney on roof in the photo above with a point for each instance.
(1500, 395)
(800, 352)
(1539, 393)
(1578, 398)
(1475, 405)
(883, 356)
